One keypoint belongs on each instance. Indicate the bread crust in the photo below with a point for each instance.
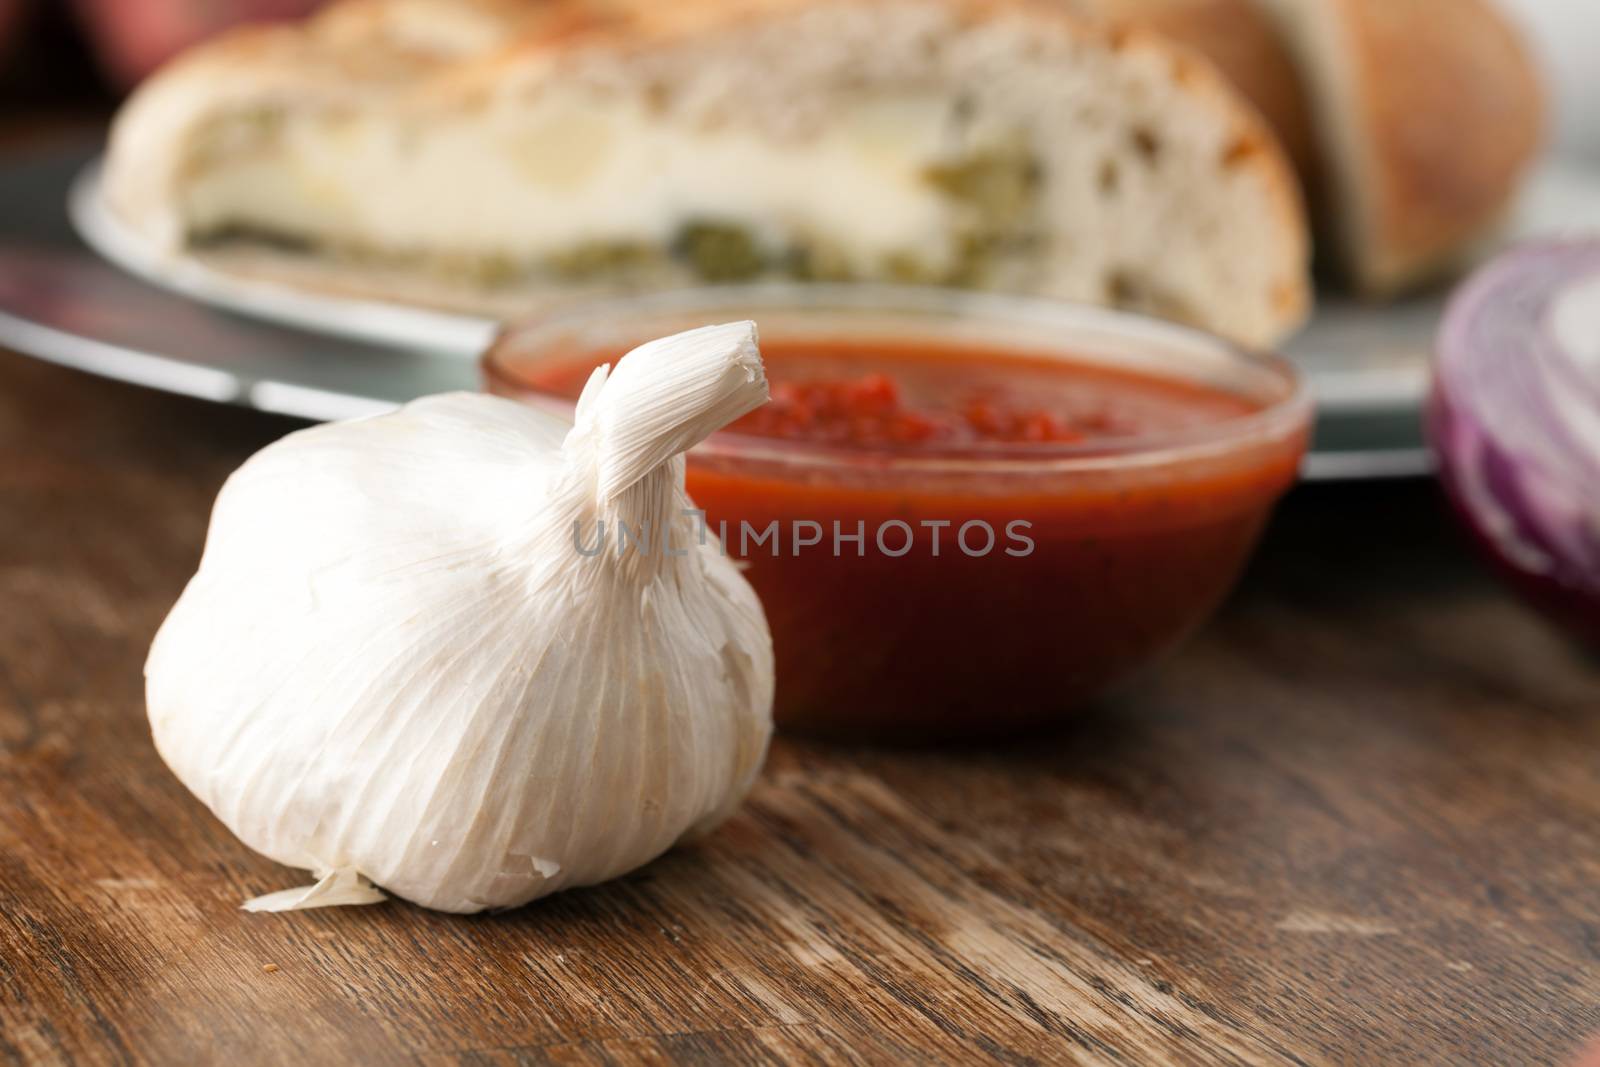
(1243, 44)
(1428, 113)
(1452, 111)
(442, 55)
(384, 54)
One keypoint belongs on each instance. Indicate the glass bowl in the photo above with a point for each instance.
(1130, 542)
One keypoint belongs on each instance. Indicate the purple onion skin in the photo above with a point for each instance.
(1528, 504)
(1575, 609)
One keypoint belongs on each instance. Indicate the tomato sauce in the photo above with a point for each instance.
(965, 541)
(916, 397)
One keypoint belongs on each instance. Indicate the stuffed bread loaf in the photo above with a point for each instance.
(494, 154)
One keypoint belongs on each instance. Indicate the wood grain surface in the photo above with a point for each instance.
(1357, 820)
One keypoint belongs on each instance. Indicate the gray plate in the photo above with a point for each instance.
(186, 330)
(60, 301)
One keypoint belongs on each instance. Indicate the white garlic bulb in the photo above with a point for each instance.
(396, 666)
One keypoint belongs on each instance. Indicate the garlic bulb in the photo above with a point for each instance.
(402, 663)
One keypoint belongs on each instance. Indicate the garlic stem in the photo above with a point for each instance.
(666, 396)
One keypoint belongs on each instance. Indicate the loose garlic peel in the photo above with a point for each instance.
(395, 668)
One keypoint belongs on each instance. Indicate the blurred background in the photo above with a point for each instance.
(1566, 33)
(79, 53)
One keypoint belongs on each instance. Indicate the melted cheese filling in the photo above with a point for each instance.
(527, 183)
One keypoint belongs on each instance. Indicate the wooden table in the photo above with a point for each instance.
(1357, 820)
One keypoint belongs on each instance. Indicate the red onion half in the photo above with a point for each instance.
(1515, 421)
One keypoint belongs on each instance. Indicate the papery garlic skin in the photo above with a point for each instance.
(394, 661)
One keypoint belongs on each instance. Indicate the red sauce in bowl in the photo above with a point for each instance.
(967, 540)
(897, 396)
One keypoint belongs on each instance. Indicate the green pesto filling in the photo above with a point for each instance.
(719, 251)
(993, 195)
